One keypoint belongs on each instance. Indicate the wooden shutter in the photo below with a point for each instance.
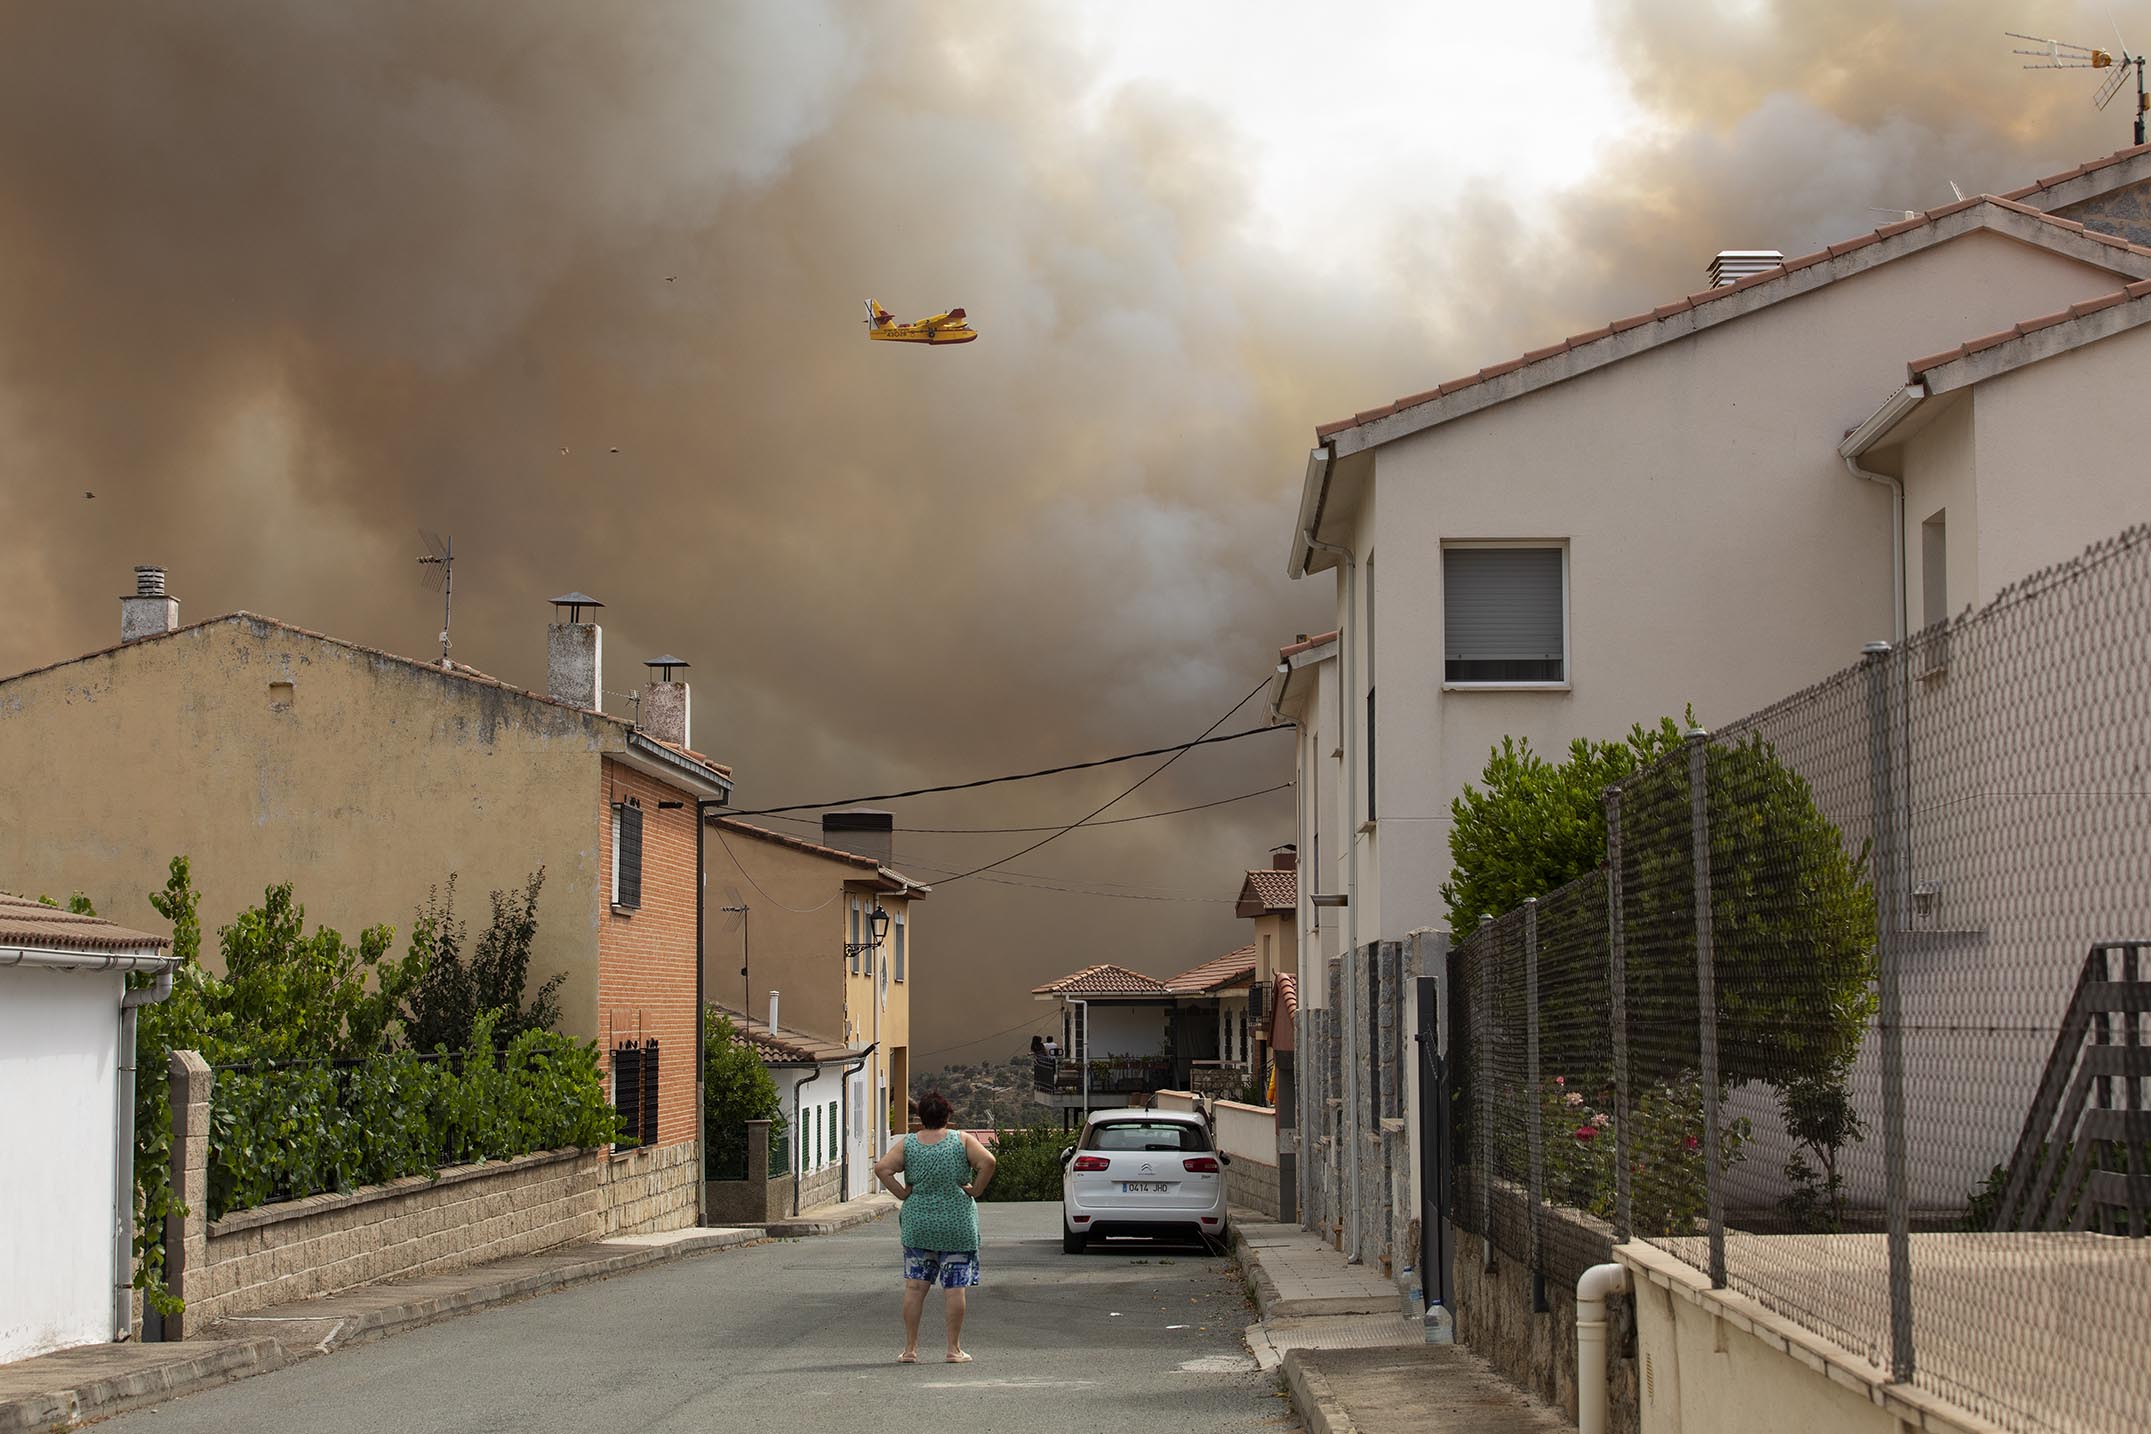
(630, 856)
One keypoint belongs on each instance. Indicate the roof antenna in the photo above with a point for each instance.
(2062, 55)
(439, 564)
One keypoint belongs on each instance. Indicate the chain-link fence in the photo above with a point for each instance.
(1854, 1018)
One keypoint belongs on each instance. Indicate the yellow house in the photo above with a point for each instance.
(817, 935)
(266, 753)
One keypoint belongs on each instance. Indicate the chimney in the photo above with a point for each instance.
(150, 610)
(772, 1012)
(575, 655)
(862, 831)
(1733, 265)
(1285, 858)
(663, 712)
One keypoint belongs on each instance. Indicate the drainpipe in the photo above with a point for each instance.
(1598, 1282)
(123, 1161)
(844, 1092)
(702, 1129)
(799, 1088)
(1348, 731)
(1855, 445)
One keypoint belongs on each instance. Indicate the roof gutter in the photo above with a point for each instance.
(1878, 426)
(89, 960)
(1314, 493)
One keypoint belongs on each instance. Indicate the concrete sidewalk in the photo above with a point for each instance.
(74, 1386)
(1354, 1351)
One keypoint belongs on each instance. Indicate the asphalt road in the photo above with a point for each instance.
(799, 1335)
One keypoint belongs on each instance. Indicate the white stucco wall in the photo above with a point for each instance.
(1719, 553)
(59, 1061)
(1126, 1030)
(812, 1113)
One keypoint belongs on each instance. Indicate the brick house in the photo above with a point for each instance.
(265, 753)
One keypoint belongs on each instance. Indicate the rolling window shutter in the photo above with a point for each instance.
(630, 855)
(1502, 613)
(648, 1110)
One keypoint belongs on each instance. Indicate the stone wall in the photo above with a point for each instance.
(466, 1215)
(1251, 1185)
(821, 1187)
(647, 1191)
(1536, 1350)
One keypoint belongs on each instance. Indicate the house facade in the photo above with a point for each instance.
(812, 1076)
(1125, 1034)
(266, 753)
(825, 927)
(67, 1114)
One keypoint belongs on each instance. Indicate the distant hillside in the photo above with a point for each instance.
(986, 1095)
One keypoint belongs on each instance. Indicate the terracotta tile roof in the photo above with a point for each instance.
(1269, 891)
(798, 843)
(1295, 649)
(1102, 980)
(460, 671)
(1704, 297)
(2053, 181)
(1234, 968)
(783, 1046)
(2134, 293)
(34, 926)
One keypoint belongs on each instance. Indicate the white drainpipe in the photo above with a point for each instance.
(1851, 451)
(1349, 1024)
(1598, 1282)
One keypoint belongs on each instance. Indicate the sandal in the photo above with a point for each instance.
(959, 1357)
(907, 1359)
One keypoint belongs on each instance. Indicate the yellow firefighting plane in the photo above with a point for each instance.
(948, 328)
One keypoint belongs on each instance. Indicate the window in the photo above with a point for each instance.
(634, 1091)
(899, 948)
(1504, 615)
(1370, 686)
(1147, 1135)
(627, 854)
(851, 936)
(832, 1132)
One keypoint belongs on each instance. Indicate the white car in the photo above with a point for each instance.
(1143, 1172)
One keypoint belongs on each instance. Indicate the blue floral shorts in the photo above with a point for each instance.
(950, 1269)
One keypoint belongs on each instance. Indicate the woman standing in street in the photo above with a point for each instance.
(938, 1175)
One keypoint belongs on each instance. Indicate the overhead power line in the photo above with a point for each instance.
(1202, 741)
(1108, 822)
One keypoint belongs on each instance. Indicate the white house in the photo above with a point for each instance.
(810, 1075)
(67, 1120)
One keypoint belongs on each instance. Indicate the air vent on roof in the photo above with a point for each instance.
(1733, 265)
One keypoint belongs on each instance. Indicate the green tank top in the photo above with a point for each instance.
(938, 1216)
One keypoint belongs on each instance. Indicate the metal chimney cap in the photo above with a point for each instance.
(148, 580)
(665, 664)
(575, 603)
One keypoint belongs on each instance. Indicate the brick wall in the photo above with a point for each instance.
(468, 1215)
(646, 957)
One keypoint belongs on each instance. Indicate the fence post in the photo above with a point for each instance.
(1889, 855)
(1536, 1102)
(1706, 991)
(1483, 1089)
(186, 1228)
(1618, 979)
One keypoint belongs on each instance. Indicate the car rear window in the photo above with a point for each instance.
(1147, 1135)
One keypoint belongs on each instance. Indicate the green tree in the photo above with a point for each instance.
(736, 1088)
(1536, 825)
(458, 983)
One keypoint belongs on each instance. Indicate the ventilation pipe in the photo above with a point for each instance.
(1598, 1282)
(1730, 266)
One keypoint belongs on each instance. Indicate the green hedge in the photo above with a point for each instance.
(284, 1134)
(1028, 1163)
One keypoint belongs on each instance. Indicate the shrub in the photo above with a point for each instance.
(452, 990)
(736, 1088)
(1028, 1163)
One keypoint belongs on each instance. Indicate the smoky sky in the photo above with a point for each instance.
(284, 283)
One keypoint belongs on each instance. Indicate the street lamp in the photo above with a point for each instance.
(877, 927)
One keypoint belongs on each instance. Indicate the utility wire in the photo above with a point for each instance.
(1108, 822)
(1205, 740)
(1177, 754)
(795, 910)
(980, 1040)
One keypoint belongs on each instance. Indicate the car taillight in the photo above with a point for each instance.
(1091, 1162)
(1201, 1165)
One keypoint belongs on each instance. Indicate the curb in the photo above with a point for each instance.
(1313, 1400)
(116, 1394)
(222, 1361)
(1251, 1266)
(856, 1213)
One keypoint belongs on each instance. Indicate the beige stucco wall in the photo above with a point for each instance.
(265, 755)
(1940, 476)
(794, 931)
(1718, 551)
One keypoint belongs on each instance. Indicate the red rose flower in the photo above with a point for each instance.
(1587, 1132)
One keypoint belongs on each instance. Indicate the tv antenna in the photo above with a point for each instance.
(2062, 55)
(438, 565)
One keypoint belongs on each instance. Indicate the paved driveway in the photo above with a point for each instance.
(802, 1336)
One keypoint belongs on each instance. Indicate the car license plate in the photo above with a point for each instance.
(1144, 1187)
